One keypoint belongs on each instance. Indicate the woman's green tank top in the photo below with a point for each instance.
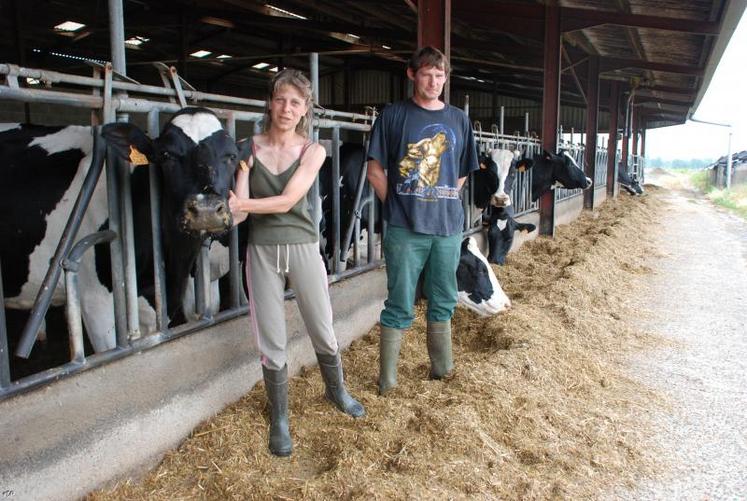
(292, 227)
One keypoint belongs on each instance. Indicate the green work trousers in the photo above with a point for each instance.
(407, 254)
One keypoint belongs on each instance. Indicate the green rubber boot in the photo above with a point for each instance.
(331, 369)
(276, 384)
(389, 344)
(439, 349)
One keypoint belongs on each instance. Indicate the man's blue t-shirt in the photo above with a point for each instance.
(424, 152)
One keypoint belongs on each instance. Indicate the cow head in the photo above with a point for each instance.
(478, 286)
(559, 170)
(629, 182)
(197, 160)
(495, 179)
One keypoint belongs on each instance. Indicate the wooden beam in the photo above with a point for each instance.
(434, 29)
(550, 107)
(614, 100)
(592, 115)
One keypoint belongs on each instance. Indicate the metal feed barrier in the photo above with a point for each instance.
(109, 96)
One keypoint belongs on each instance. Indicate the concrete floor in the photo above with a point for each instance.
(697, 298)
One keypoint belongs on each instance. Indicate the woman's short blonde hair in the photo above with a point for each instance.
(298, 80)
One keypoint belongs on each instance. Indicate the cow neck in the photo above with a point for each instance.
(541, 177)
(180, 258)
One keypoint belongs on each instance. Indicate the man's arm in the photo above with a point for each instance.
(377, 177)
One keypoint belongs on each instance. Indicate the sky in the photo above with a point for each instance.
(725, 101)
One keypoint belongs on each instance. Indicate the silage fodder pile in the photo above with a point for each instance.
(539, 406)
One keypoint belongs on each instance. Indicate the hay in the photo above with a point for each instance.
(539, 406)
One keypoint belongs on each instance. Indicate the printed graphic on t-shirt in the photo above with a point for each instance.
(420, 168)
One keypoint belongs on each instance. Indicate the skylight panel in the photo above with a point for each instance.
(69, 26)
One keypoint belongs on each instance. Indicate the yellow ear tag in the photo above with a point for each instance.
(137, 158)
(243, 166)
(521, 168)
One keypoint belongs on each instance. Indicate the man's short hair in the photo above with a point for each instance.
(428, 56)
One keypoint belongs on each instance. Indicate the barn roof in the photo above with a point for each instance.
(668, 49)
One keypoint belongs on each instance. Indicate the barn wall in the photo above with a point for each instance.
(600, 195)
(64, 440)
(566, 211)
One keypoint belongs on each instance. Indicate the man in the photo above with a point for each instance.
(420, 154)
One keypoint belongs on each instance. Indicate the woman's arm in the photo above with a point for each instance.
(241, 189)
(297, 187)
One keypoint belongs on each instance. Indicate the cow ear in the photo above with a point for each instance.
(546, 155)
(524, 164)
(129, 142)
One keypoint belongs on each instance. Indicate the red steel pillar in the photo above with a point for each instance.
(592, 115)
(614, 106)
(550, 107)
(626, 133)
(434, 29)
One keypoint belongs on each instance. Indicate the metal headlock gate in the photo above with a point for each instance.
(111, 95)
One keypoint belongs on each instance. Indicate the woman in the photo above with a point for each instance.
(283, 243)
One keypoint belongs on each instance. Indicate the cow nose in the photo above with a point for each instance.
(502, 200)
(206, 213)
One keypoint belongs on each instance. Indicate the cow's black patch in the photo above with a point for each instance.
(31, 185)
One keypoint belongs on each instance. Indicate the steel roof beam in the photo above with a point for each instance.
(519, 18)
(614, 63)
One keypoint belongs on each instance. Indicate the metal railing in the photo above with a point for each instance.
(98, 93)
(577, 151)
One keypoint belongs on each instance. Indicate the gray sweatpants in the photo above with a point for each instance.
(267, 267)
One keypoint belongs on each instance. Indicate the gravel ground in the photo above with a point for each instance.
(697, 298)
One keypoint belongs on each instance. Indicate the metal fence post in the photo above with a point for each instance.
(233, 243)
(159, 268)
(4, 355)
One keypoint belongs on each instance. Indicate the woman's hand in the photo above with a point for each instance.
(235, 203)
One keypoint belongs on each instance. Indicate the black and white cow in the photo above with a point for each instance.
(492, 189)
(495, 179)
(478, 287)
(556, 171)
(42, 168)
(629, 182)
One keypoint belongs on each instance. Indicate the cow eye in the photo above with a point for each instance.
(165, 156)
(230, 157)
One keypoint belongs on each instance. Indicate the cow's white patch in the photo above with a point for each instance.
(198, 126)
(573, 160)
(503, 159)
(69, 138)
(498, 302)
(9, 126)
(219, 260)
(501, 224)
(199, 196)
